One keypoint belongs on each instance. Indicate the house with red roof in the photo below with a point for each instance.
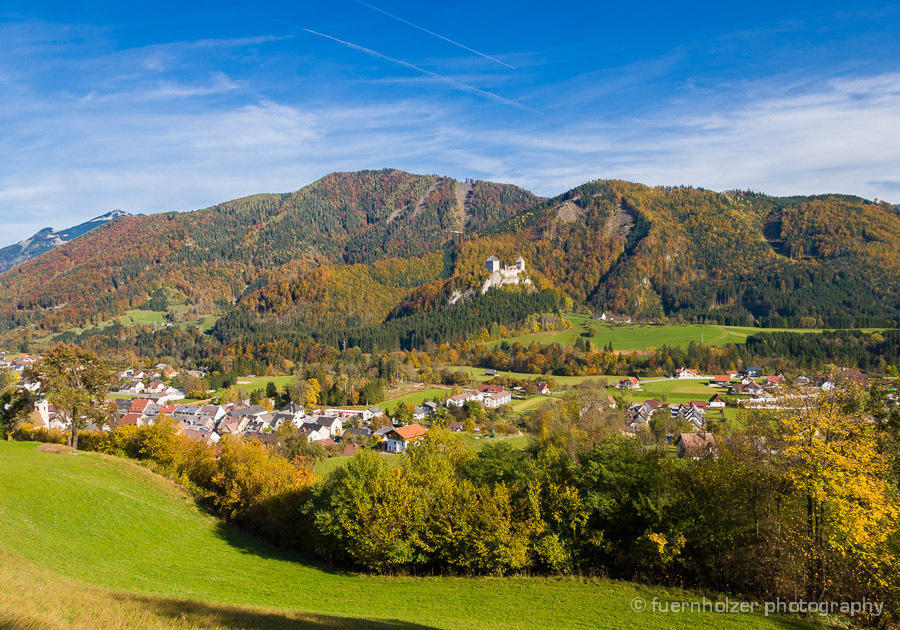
(399, 439)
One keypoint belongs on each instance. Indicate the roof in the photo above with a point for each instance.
(324, 421)
(350, 450)
(490, 388)
(130, 418)
(411, 431)
(197, 435)
(493, 258)
(698, 444)
(139, 404)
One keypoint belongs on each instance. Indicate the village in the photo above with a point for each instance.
(141, 397)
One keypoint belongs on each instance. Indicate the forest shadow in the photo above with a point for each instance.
(251, 544)
(200, 614)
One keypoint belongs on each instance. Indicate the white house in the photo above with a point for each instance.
(348, 414)
(400, 438)
(492, 400)
(332, 425)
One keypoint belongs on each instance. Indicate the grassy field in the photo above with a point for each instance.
(415, 397)
(478, 374)
(643, 336)
(91, 541)
(676, 391)
(138, 316)
(246, 384)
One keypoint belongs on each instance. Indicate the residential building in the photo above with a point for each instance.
(399, 439)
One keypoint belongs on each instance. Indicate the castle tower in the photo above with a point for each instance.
(520, 263)
(493, 264)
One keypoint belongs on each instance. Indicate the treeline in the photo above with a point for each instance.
(778, 351)
(450, 324)
(867, 351)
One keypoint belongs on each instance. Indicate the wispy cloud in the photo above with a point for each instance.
(186, 124)
(432, 33)
(457, 84)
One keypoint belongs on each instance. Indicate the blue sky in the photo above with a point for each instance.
(177, 106)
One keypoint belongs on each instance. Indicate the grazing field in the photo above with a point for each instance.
(478, 374)
(676, 391)
(414, 397)
(631, 337)
(138, 316)
(246, 384)
(93, 541)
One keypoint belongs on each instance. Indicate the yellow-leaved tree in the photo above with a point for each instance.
(846, 509)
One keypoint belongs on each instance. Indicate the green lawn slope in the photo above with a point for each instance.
(93, 541)
(638, 337)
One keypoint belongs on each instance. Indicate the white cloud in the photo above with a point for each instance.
(133, 134)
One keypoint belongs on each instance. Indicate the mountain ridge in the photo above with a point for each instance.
(358, 248)
(47, 238)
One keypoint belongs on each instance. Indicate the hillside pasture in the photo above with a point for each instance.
(129, 549)
(641, 337)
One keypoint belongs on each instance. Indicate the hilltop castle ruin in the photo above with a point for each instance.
(512, 274)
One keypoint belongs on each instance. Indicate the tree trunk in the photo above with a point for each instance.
(73, 440)
(811, 557)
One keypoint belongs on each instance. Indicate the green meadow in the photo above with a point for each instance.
(638, 337)
(93, 541)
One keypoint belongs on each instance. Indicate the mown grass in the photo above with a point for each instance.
(140, 316)
(677, 391)
(247, 384)
(631, 337)
(92, 541)
(478, 374)
(414, 398)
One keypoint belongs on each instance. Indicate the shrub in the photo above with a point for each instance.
(31, 433)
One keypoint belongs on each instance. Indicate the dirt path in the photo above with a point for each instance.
(420, 203)
(462, 190)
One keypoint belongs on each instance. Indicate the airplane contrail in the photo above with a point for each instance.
(406, 64)
(438, 35)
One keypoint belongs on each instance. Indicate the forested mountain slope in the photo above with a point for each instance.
(387, 248)
(734, 257)
(48, 238)
(214, 256)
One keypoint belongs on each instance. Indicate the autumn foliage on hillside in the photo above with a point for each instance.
(356, 249)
